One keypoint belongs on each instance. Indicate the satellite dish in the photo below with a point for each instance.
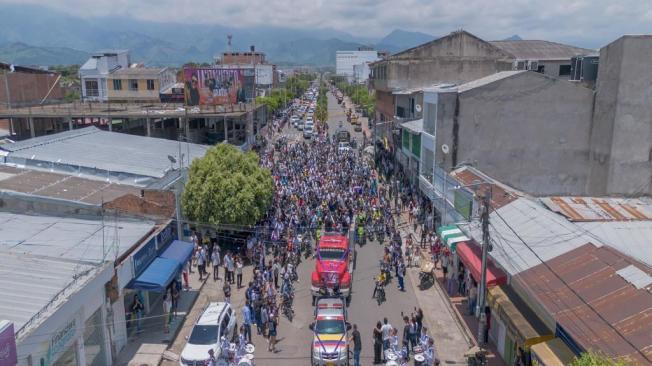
(418, 107)
(444, 148)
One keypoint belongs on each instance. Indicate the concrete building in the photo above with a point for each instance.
(265, 73)
(58, 269)
(551, 266)
(238, 58)
(346, 60)
(95, 72)
(139, 84)
(505, 124)
(621, 137)
(24, 86)
(456, 58)
(540, 133)
(549, 58)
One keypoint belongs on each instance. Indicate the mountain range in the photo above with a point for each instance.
(38, 35)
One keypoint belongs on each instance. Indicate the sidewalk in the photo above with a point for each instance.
(447, 319)
(147, 348)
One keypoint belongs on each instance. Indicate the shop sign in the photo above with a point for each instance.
(60, 341)
(166, 236)
(463, 202)
(8, 355)
(144, 256)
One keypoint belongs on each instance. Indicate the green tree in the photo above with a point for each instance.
(596, 359)
(227, 186)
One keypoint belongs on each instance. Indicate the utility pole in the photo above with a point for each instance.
(486, 248)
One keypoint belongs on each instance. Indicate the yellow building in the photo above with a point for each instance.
(139, 84)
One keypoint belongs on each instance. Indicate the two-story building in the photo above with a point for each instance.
(139, 84)
(95, 72)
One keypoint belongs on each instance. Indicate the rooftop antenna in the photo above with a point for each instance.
(229, 37)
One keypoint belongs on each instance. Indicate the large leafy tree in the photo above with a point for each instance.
(227, 187)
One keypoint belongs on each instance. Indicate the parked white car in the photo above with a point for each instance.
(218, 320)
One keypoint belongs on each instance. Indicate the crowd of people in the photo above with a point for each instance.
(320, 188)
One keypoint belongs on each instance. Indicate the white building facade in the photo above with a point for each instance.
(346, 60)
(361, 73)
(95, 71)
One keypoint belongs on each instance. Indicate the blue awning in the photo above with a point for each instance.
(157, 276)
(178, 250)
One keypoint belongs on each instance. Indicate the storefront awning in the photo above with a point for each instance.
(441, 229)
(520, 320)
(551, 353)
(451, 235)
(178, 250)
(471, 256)
(156, 276)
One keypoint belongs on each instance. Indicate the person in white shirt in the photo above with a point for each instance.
(215, 259)
(386, 329)
(431, 354)
(424, 338)
(201, 258)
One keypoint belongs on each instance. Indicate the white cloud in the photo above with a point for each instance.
(588, 22)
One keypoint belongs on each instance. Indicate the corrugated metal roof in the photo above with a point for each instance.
(44, 259)
(29, 282)
(546, 233)
(500, 194)
(61, 186)
(487, 80)
(540, 50)
(600, 209)
(98, 152)
(635, 276)
(596, 306)
(69, 238)
(633, 238)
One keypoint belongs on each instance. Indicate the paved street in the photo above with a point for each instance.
(294, 339)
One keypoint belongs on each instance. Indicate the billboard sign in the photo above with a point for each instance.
(213, 86)
(8, 355)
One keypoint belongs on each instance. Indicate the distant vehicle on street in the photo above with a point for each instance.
(218, 320)
(307, 131)
(342, 135)
(343, 147)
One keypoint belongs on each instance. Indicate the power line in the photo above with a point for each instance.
(572, 289)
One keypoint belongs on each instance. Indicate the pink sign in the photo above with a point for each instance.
(8, 355)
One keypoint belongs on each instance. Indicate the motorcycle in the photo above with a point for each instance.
(380, 233)
(476, 356)
(379, 292)
(286, 306)
(307, 250)
(369, 229)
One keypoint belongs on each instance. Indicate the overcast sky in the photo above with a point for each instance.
(589, 22)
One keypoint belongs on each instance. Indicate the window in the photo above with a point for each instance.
(133, 84)
(117, 84)
(92, 89)
(150, 84)
(541, 69)
(564, 70)
(203, 334)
